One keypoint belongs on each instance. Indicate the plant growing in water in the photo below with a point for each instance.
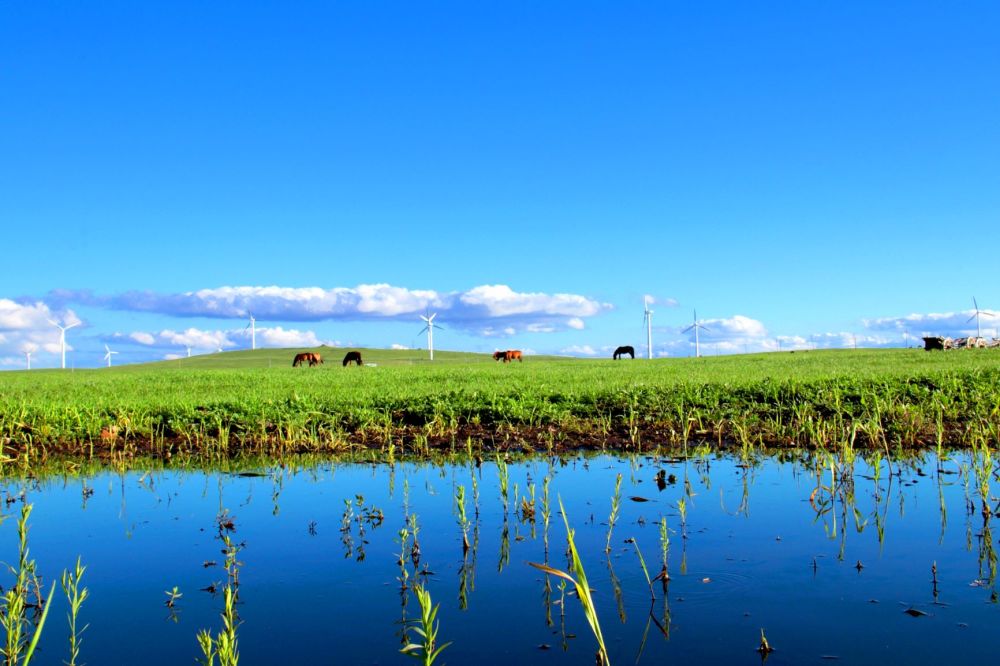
(616, 504)
(463, 520)
(582, 588)
(426, 627)
(17, 648)
(76, 597)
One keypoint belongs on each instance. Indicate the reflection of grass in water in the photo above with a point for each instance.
(225, 644)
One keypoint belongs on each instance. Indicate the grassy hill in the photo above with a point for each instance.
(233, 402)
(271, 358)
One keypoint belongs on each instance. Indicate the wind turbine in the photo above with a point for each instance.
(28, 356)
(188, 351)
(253, 331)
(62, 338)
(430, 332)
(695, 326)
(107, 355)
(979, 332)
(647, 318)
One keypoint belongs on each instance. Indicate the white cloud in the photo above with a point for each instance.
(579, 350)
(213, 340)
(735, 327)
(946, 323)
(279, 337)
(192, 337)
(483, 307)
(26, 327)
(660, 300)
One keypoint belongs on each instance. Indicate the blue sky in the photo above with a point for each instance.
(809, 171)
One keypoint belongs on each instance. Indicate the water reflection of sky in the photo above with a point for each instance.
(764, 559)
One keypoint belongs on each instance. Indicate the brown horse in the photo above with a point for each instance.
(500, 356)
(307, 357)
(513, 355)
(353, 357)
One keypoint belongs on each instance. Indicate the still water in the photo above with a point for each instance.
(825, 555)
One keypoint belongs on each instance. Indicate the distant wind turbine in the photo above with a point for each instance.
(647, 318)
(62, 338)
(188, 351)
(107, 354)
(695, 327)
(985, 313)
(430, 332)
(27, 354)
(253, 330)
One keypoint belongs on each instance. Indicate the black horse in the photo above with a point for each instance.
(353, 357)
(621, 351)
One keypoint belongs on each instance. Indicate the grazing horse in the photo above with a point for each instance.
(500, 356)
(307, 357)
(621, 351)
(513, 355)
(353, 357)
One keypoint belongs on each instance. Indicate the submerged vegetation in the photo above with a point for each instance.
(881, 399)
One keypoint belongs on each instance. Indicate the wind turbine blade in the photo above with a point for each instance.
(975, 303)
(971, 318)
(72, 325)
(107, 349)
(53, 323)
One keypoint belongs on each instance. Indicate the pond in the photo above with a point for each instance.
(864, 561)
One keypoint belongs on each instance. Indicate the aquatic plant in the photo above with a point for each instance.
(616, 504)
(579, 580)
(18, 647)
(463, 521)
(426, 627)
(75, 596)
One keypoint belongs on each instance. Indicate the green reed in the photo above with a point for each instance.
(426, 627)
(75, 595)
(19, 646)
(578, 578)
(616, 504)
(463, 521)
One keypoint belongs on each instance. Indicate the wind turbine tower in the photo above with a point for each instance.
(107, 355)
(648, 319)
(253, 331)
(986, 313)
(27, 355)
(430, 332)
(188, 351)
(696, 326)
(62, 338)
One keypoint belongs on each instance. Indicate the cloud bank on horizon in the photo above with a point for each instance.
(485, 309)
(484, 312)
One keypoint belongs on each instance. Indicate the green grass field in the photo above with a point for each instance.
(255, 402)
